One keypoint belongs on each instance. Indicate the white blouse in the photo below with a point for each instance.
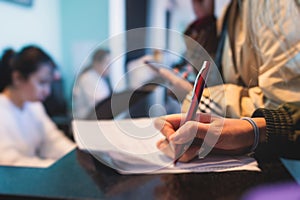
(28, 137)
(89, 89)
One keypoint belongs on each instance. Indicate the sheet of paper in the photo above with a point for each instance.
(129, 146)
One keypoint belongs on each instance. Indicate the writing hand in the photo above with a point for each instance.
(234, 136)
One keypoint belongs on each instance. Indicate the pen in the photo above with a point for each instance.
(195, 101)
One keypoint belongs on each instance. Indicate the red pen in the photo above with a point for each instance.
(196, 97)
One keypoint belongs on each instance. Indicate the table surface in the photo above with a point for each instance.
(79, 176)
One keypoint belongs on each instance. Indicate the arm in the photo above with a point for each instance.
(13, 157)
(235, 136)
(179, 86)
(13, 153)
(55, 144)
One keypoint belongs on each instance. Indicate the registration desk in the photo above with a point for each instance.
(79, 176)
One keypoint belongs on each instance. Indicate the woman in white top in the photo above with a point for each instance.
(28, 136)
(92, 86)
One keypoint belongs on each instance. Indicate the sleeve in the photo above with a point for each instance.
(279, 71)
(278, 50)
(282, 130)
(94, 87)
(55, 144)
(274, 64)
(12, 156)
(89, 90)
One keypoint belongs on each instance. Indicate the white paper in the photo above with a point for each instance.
(129, 146)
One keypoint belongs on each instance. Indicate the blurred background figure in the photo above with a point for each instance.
(258, 70)
(139, 72)
(28, 136)
(204, 31)
(200, 38)
(92, 86)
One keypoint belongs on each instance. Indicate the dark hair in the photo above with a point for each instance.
(26, 62)
(100, 54)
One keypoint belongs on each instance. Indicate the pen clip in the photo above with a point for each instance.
(199, 75)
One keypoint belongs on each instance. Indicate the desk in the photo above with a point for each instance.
(79, 176)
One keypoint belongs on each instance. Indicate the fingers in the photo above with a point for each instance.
(189, 131)
(164, 146)
(169, 124)
(191, 153)
(208, 130)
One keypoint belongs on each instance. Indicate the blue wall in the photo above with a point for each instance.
(38, 24)
(84, 24)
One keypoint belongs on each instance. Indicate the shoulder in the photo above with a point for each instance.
(6, 111)
(36, 108)
(88, 74)
(3, 101)
(5, 106)
(88, 78)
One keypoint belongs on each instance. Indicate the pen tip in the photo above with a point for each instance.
(175, 162)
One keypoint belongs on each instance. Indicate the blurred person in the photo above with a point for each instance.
(203, 30)
(28, 136)
(92, 85)
(139, 72)
(258, 57)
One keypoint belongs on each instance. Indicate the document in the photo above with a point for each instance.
(129, 146)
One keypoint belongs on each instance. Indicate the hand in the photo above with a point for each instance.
(224, 135)
(179, 86)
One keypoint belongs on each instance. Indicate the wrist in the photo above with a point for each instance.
(261, 124)
(258, 127)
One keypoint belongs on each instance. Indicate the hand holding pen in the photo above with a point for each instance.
(195, 101)
(186, 146)
(226, 136)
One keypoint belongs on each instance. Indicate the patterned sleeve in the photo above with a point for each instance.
(282, 130)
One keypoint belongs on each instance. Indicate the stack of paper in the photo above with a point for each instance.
(129, 146)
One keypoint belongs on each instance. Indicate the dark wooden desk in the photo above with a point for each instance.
(79, 176)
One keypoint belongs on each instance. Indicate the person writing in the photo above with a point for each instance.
(277, 133)
(92, 86)
(28, 136)
(259, 70)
